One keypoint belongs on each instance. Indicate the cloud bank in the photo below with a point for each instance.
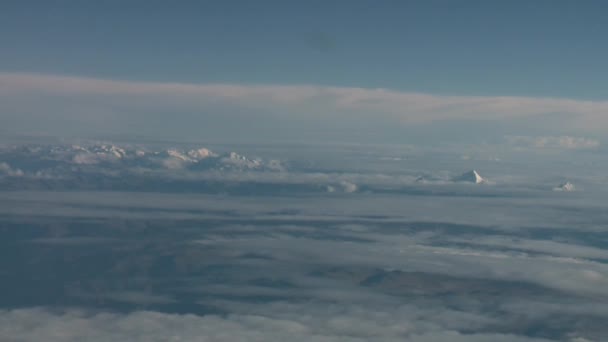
(560, 142)
(134, 105)
(352, 325)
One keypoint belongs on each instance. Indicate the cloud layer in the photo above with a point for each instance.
(355, 324)
(561, 142)
(339, 267)
(116, 104)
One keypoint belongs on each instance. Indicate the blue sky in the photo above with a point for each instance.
(532, 48)
(538, 49)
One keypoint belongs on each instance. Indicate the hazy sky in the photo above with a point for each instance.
(481, 68)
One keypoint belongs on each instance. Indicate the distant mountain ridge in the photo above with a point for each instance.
(35, 158)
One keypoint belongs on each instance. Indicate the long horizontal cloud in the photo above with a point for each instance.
(562, 142)
(118, 98)
(343, 326)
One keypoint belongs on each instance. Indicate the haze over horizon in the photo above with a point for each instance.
(388, 72)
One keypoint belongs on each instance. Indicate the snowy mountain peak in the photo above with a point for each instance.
(200, 153)
(60, 158)
(178, 155)
(236, 156)
(470, 177)
(565, 187)
(235, 160)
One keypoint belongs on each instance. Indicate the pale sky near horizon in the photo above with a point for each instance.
(342, 70)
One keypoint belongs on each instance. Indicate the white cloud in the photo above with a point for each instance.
(112, 102)
(9, 171)
(556, 248)
(419, 254)
(560, 142)
(305, 322)
(349, 187)
(337, 308)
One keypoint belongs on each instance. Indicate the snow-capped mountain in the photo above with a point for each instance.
(36, 158)
(470, 177)
(107, 167)
(565, 187)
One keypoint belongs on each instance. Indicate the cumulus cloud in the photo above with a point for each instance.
(560, 142)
